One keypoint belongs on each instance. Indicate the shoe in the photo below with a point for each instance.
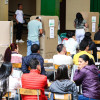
(17, 41)
(21, 41)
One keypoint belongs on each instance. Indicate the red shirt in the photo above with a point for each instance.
(34, 80)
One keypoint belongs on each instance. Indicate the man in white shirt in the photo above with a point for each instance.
(19, 21)
(61, 58)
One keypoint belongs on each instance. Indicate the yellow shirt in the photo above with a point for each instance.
(75, 59)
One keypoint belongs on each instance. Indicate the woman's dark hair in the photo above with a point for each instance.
(83, 45)
(70, 34)
(62, 72)
(60, 47)
(86, 58)
(7, 55)
(79, 18)
(87, 36)
(5, 71)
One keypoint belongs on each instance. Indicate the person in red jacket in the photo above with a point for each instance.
(34, 80)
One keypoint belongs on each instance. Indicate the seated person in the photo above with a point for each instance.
(92, 45)
(97, 37)
(61, 57)
(11, 54)
(35, 54)
(5, 75)
(84, 47)
(71, 44)
(62, 84)
(87, 75)
(34, 80)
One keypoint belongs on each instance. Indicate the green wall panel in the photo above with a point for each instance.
(50, 7)
(95, 7)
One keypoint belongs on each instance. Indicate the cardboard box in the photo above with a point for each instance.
(48, 45)
(88, 17)
(6, 35)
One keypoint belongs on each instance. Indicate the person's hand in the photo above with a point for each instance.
(17, 22)
(80, 67)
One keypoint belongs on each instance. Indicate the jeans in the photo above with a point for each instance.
(29, 44)
(81, 97)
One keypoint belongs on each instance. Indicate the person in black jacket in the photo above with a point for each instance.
(92, 45)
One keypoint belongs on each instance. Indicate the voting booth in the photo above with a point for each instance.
(49, 39)
(92, 19)
(6, 36)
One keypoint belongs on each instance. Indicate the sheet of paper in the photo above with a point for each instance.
(93, 27)
(93, 19)
(51, 32)
(59, 96)
(51, 23)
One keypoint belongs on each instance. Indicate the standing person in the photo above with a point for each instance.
(34, 29)
(80, 23)
(19, 22)
(87, 75)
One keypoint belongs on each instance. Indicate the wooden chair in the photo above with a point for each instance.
(90, 52)
(97, 41)
(24, 91)
(98, 56)
(8, 94)
(56, 67)
(61, 96)
(16, 65)
(68, 54)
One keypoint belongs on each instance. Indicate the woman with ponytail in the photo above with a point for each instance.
(11, 54)
(87, 75)
(80, 24)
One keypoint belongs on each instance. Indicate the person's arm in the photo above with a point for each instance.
(40, 28)
(15, 18)
(86, 25)
(75, 92)
(42, 66)
(70, 60)
(78, 76)
(24, 66)
(41, 31)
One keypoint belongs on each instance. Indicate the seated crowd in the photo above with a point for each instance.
(32, 74)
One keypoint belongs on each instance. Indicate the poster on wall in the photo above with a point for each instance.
(51, 32)
(51, 23)
(6, 2)
(93, 27)
(93, 19)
